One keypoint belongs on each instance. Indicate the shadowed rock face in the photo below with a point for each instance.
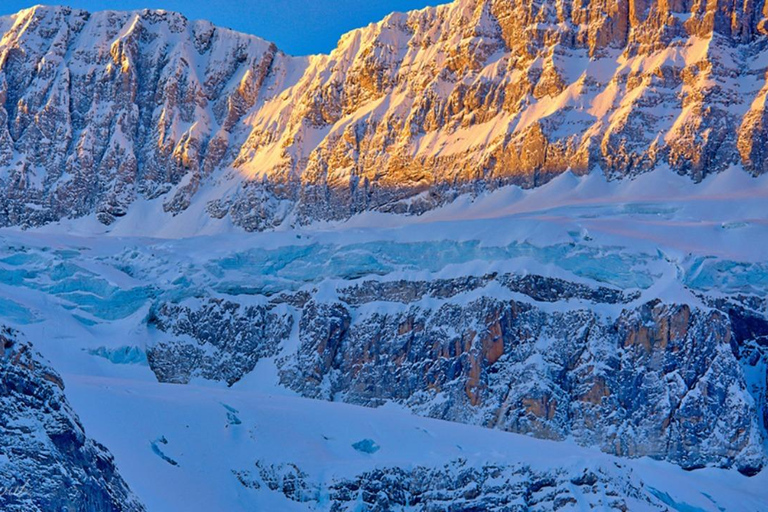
(662, 380)
(225, 340)
(458, 486)
(46, 461)
(100, 110)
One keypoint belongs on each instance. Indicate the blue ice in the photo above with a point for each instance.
(121, 355)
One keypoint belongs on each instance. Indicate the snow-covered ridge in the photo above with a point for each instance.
(99, 111)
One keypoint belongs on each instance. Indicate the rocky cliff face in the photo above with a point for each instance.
(668, 381)
(475, 94)
(46, 461)
(224, 340)
(97, 111)
(100, 110)
(459, 486)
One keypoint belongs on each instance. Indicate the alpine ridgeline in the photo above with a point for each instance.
(99, 111)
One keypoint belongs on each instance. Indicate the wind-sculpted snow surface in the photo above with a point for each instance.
(105, 113)
(46, 461)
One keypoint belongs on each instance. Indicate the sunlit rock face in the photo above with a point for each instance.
(98, 111)
(408, 112)
(46, 461)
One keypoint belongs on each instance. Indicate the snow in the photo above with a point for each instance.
(191, 426)
(82, 293)
(657, 234)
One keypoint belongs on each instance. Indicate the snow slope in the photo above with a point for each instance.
(318, 437)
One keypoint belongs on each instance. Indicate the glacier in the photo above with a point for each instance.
(191, 357)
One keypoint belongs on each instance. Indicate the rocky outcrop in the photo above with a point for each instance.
(460, 486)
(46, 461)
(662, 380)
(218, 340)
(670, 381)
(100, 110)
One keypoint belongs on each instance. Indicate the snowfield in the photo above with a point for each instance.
(209, 444)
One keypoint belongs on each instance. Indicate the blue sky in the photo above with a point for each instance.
(298, 27)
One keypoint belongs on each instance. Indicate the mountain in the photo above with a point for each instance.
(101, 111)
(492, 255)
